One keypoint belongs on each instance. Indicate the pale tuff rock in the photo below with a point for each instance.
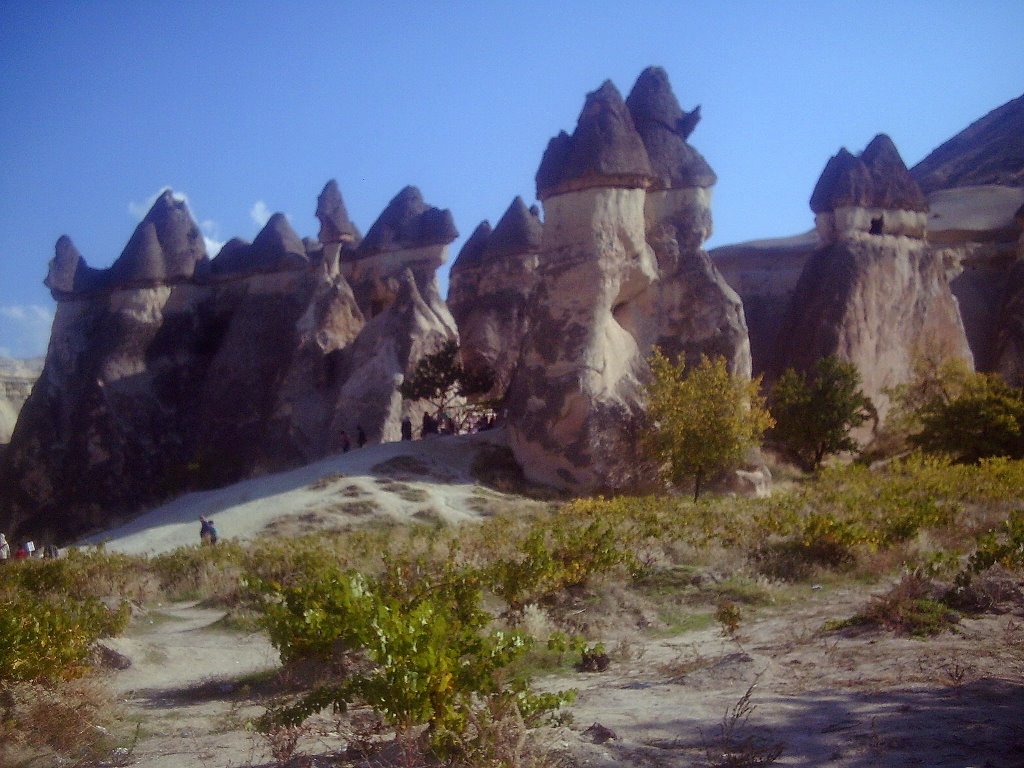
(168, 371)
(620, 269)
(16, 380)
(873, 296)
(490, 287)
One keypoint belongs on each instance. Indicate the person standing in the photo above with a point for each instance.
(207, 533)
(407, 428)
(5, 548)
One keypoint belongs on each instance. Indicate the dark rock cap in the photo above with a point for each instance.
(277, 248)
(876, 179)
(166, 245)
(472, 252)
(604, 151)
(68, 273)
(335, 225)
(408, 222)
(518, 231)
(664, 127)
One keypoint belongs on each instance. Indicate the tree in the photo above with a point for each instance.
(702, 421)
(986, 419)
(947, 407)
(441, 380)
(814, 414)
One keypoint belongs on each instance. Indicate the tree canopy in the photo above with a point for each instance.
(440, 379)
(815, 413)
(702, 421)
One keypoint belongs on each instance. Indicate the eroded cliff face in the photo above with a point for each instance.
(620, 270)
(874, 294)
(170, 371)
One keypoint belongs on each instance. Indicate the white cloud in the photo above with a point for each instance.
(212, 246)
(24, 329)
(138, 211)
(260, 213)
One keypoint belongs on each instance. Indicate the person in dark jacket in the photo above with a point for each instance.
(207, 533)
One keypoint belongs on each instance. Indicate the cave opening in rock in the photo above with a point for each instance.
(876, 225)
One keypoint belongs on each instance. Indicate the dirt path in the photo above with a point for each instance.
(847, 699)
(185, 688)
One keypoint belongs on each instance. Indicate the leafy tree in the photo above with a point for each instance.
(702, 420)
(987, 419)
(441, 379)
(814, 414)
(946, 407)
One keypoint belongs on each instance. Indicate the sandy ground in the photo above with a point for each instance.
(838, 699)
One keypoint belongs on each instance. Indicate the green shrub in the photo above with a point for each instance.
(49, 637)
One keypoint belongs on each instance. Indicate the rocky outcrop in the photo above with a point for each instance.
(873, 294)
(620, 269)
(989, 151)
(490, 288)
(170, 371)
(764, 274)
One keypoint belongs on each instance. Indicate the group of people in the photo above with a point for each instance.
(25, 550)
(346, 443)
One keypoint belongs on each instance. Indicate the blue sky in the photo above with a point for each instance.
(250, 107)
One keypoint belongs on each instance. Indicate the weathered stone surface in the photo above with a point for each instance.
(165, 247)
(989, 151)
(1008, 354)
(604, 151)
(621, 269)
(246, 365)
(335, 225)
(664, 127)
(764, 274)
(490, 287)
(876, 179)
(407, 223)
(875, 302)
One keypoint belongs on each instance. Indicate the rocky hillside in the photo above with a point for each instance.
(989, 151)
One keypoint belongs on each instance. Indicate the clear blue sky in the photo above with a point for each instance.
(250, 107)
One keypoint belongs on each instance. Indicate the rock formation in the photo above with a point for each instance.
(604, 296)
(490, 288)
(873, 294)
(988, 152)
(169, 371)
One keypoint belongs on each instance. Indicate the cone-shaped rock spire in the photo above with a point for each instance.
(277, 248)
(166, 245)
(518, 231)
(335, 225)
(604, 151)
(472, 252)
(876, 179)
(664, 127)
(408, 222)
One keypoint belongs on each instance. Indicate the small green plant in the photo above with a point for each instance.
(908, 608)
(729, 616)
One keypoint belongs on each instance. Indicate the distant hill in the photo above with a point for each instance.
(989, 151)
